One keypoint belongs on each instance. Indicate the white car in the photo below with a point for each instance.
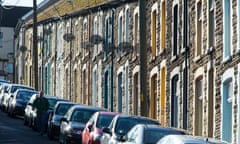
(188, 139)
(12, 88)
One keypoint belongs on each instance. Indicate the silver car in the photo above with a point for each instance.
(188, 139)
(149, 134)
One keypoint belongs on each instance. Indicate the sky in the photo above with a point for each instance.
(27, 3)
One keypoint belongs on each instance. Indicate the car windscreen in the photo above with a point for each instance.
(25, 95)
(153, 135)
(125, 124)
(52, 102)
(81, 115)
(14, 88)
(63, 108)
(104, 120)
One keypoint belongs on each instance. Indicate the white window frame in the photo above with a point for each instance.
(225, 59)
(174, 57)
(197, 57)
(154, 8)
(229, 73)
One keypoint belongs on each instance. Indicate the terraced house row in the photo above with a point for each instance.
(89, 52)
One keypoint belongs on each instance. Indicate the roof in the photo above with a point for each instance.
(11, 14)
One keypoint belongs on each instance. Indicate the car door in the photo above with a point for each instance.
(89, 128)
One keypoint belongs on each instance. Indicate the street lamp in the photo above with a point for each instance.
(69, 37)
(35, 45)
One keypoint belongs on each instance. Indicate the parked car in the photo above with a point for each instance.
(55, 116)
(3, 92)
(120, 126)
(149, 134)
(18, 101)
(188, 139)
(92, 132)
(73, 123)
(30, 116)
(12, 88)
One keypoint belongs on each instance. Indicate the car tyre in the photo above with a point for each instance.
(50, 134)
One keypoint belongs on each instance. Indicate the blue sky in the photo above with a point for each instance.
(27, 3)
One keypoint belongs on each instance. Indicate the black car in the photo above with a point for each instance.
(55, 116)
(18, 101)
(120, 126)
(73, 123)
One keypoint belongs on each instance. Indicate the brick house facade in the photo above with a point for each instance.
(107, 73)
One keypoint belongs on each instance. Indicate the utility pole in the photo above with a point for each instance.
(143, 58)
(35, 45)
(185, 45)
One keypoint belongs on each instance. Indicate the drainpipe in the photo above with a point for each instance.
(55, 61)
(185, 44)
(35, 45)
(112, 49)
(143, 59)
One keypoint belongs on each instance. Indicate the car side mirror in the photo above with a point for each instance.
(89, 126)
(107, 130)
(122, 138)
(64, 119)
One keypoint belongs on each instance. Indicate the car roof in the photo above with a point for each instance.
(194, 139)
(136, 117)
(65, 102)
(158, 127)
(4, 81)
(80, 106)
(107, 113)
(28, 90)
(20, 85)
(53, 97)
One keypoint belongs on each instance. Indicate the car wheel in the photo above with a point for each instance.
(49, 133)
(65, 140)
(60, 139)
(9, 111)
(25, 122)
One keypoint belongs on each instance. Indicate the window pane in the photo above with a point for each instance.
(175, 30)
(227, 29)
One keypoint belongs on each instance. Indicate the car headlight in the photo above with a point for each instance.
(96, 136)
(77, 131)
(18, 104)
(56, 123)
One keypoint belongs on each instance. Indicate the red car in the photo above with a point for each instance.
(92, 133)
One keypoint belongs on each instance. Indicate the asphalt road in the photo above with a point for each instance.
(12, 131)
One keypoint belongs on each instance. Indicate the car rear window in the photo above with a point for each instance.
(82, 115)
(25, 95)
(62, 109)
(14, 88)
(125, 124)
(153, 135)
(52, 103)
(104, 120)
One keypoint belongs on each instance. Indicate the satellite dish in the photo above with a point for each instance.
(23, 48)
